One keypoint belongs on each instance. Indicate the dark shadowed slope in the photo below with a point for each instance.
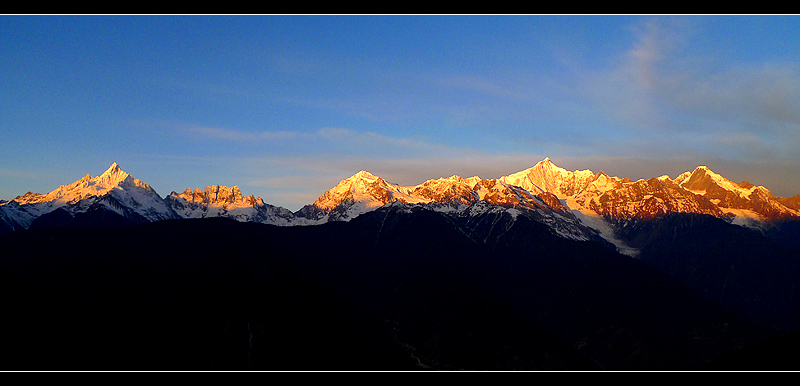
(388, 290)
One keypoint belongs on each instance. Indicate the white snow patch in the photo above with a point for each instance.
(746, 218)
(513, 212)
(592, 220)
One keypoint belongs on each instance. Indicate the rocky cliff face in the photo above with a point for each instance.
(219, 196)
(223, 201)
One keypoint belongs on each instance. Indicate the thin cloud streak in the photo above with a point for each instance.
(242, 136)
(661, 94)
(341, 138)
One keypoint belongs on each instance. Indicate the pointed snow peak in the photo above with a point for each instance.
(360, 187)
(363, 174)
(704, 170)
(546, 163)
(113, 175)
(701, 174)
(122, 187)
(544, 166)
(545, 176)
(548, 166)
(113, 169)
(702, 179)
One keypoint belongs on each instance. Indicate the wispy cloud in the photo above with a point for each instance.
(765, 97)
(334, 139)
(217, 133)
(666, 94)
(656, 42)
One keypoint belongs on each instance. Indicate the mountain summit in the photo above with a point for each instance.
(545, 176)
(355, 195)
(112, 179)
(575, 204)
(113, 193)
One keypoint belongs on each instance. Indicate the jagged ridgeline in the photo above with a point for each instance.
(530, 271)
(578, 205)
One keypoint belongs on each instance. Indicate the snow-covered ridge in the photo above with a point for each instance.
(699, 180)
(743, 200)
(568, 201)
(598, 201)
(367, 189)
(545, 176)
(697, 191)
(364, 192)
(114, 190)
(113, 178)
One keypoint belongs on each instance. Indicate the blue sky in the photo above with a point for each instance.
(287, 106)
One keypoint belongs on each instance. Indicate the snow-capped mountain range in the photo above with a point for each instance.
(574, 204)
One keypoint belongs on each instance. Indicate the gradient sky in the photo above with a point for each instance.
(287, 106)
